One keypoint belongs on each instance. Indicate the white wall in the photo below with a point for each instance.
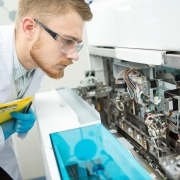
(7, 11)
(29, 150)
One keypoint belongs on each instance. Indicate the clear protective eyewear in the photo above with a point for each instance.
(68, 45)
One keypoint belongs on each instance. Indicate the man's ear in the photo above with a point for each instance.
(28, 26)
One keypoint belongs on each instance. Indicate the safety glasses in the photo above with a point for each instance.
(67, 45)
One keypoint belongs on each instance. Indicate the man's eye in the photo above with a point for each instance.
(68, 41)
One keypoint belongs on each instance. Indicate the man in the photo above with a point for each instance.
(46, 39)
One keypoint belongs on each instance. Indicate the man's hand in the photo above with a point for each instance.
(24, 122)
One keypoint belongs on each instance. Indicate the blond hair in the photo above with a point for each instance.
(43, 9)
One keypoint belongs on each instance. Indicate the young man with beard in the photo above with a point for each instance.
(46, 38)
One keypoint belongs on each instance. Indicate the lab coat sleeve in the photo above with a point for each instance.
(2, 139)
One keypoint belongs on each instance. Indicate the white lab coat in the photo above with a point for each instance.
(8, 93)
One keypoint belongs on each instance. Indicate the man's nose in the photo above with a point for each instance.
(74, 56)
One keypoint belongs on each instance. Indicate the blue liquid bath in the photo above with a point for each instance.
(92, 153)
(95, 170)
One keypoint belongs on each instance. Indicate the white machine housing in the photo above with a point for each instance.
(143, 24)
(140, 31)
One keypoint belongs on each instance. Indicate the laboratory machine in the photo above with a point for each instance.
(129, 100)
(135, 79)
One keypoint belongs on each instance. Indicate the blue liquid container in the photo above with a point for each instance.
(92, 152)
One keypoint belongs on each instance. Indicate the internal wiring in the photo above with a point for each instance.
(133, 79)
(152, 121)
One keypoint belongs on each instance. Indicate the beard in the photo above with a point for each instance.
(36, 55)
(57, 75)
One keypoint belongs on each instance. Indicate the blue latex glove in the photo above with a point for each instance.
(24, 121)
(8, 128)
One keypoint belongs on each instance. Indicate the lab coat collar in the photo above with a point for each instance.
(7, 87)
